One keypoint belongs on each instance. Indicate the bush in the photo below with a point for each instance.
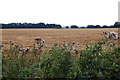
(94, 62)
(55, 64)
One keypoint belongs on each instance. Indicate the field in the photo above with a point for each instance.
(96, 60)
(26, 37)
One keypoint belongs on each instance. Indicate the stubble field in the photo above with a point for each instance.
(26, 37)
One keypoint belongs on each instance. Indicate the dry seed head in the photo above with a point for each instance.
(10, 41)
(73, 42)
(43, 41)
(1, 45)
(111, 44)
(27, 49)
(65, 44)
(16, 45)
(105, 32)
(38, 39)
(70, 48)
(77, 44)
(112, 35)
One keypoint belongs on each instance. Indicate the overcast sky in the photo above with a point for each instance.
(64, 12)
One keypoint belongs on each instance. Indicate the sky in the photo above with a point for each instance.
(63, 12)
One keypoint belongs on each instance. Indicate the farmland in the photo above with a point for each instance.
(97, 60)
(26, 36)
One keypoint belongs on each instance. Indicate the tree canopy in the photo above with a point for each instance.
(57, 26)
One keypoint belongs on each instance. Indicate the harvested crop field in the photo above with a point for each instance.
(26, 36)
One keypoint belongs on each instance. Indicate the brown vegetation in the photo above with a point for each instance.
(26, 37)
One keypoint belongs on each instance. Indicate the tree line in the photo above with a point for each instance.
(43, 25)
(30, 25)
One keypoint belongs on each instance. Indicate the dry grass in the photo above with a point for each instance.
(26, 36)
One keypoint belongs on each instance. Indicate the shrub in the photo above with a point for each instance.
(54, 64)
(94, 62)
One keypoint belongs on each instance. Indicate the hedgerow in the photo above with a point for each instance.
(94, 62)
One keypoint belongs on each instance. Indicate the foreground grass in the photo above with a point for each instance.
(94, 62)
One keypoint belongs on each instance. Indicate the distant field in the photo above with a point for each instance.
(26, 36)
